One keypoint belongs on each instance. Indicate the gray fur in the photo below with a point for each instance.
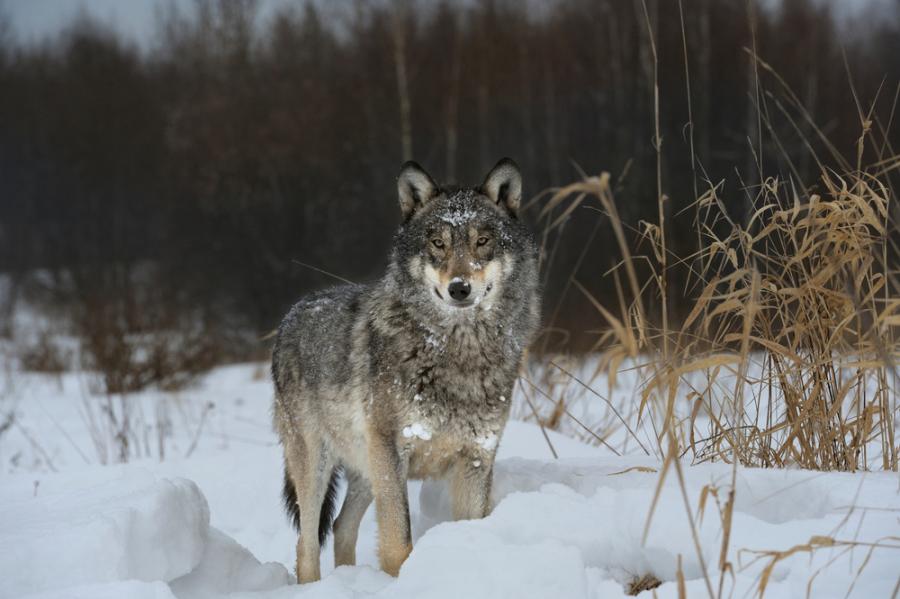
(391, 380)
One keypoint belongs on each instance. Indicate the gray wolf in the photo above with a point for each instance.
(410, 376)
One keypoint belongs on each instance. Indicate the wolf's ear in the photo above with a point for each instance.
(415, 188)
(503, 186)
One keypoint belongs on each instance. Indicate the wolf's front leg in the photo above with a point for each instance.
(388, 476)
(470, 485)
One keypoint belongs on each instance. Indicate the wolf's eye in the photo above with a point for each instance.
(438, 243)
(482, 240)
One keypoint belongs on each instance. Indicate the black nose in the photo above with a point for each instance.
(459, 290)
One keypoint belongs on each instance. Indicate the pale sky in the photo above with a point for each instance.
(34, 20)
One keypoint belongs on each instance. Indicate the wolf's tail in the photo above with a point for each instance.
(326, 516)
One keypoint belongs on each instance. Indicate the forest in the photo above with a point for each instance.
(201, 185)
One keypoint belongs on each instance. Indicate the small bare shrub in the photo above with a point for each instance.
(134, 336)
(127, 363)
(132, 361)
(44, 355)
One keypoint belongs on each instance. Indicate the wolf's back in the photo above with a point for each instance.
(315, 338)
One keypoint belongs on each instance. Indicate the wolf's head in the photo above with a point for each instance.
(463, 248)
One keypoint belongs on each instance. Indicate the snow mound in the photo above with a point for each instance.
(464, 559)
(575, 528)
(136, 527)
(228, 567)
(121, 532)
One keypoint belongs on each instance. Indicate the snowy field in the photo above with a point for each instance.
(206, 521)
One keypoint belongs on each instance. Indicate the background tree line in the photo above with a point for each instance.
(176, 189)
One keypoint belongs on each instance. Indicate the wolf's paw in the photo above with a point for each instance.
(393, 556)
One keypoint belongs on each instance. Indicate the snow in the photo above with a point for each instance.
(228, 567)
(488, 442)
(418, 430)
(132, 526)
(435, 341)
(196, 512)
(457, 217)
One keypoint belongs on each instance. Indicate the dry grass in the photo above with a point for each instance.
(642, 583)
(838, 547)
(800, 292)
(788, 350)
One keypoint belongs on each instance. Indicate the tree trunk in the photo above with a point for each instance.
(399, 36)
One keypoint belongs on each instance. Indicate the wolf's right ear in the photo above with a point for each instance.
(415, 188)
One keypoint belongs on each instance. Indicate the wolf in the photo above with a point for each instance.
(410, 376)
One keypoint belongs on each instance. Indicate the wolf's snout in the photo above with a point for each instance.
(459, 290)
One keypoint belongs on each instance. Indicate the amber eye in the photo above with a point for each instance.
(482, 240)
(438, 243)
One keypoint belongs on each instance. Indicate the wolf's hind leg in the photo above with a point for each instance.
(310, 468)
(346, 527)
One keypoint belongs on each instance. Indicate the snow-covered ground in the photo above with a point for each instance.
(206, 520)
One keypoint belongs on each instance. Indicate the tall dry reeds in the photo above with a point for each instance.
(786, 355)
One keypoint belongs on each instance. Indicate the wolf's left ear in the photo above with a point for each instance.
(415, 188)
(503, 186)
